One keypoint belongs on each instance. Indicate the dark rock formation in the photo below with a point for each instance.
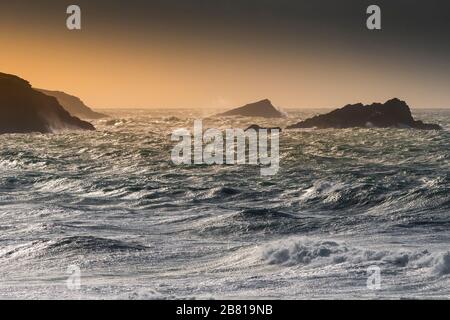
(257, 127)
(24, 110)
(73, 105)
(263, 108)
(394, 113)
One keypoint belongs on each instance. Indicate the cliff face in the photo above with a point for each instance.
(73, 105)
(394, 113)
(263, 108)
(24, 110)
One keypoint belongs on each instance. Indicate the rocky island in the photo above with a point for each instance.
(263, 108)
(258, 127)
(394, 113)
(25, 110)
(74, 105)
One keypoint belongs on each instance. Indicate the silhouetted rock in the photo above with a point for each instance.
(394, 113)
(263, 108)
(257, 127)
(73, 105)
(171, 119)
(25, 110)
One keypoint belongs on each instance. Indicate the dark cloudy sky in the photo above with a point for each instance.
(223, 53)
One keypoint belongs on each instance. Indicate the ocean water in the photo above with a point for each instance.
(112, 204)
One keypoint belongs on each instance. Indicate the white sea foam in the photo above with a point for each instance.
(292, 252)
(111, 202)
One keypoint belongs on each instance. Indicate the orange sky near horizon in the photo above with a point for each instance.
(117, 69)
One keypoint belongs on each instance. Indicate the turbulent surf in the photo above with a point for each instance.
(112, 203)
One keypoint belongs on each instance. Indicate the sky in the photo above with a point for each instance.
(226, 53)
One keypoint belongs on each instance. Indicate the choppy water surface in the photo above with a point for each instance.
(112, 203)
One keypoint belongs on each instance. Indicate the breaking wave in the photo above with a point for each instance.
(113, 201)
(321, 253)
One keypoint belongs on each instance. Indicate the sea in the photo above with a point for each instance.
(351, 213)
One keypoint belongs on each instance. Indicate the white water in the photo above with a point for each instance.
(139, 227)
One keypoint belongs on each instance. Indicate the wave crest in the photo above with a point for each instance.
(322, 253)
